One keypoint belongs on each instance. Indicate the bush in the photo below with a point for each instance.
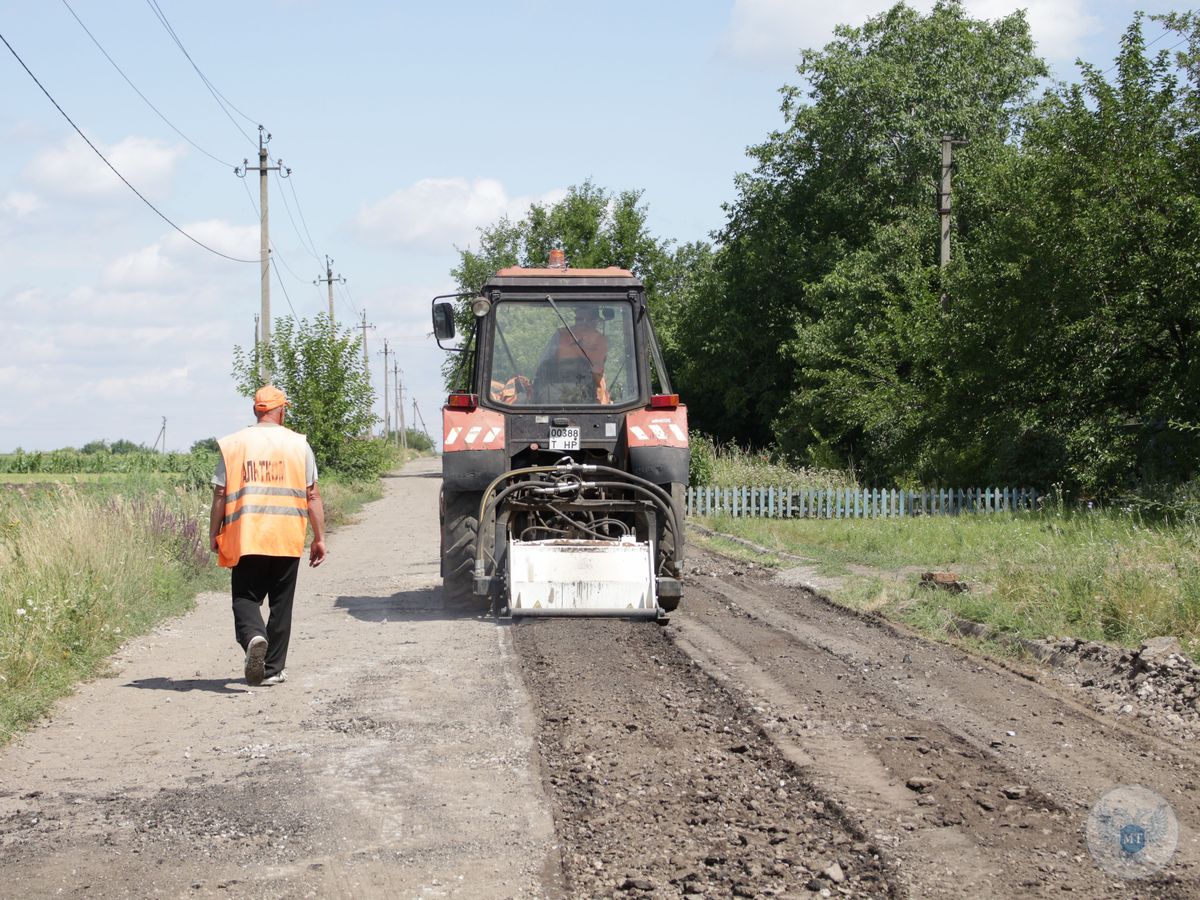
(362, 459)
(418, 440)
(321, 370)
(729, 465)
(702, 460)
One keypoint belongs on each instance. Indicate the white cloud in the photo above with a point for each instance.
(236, 240)
(768, 32)
(144, 386)
(439, 212)
(143, 268)
(71, 169)
(162, 265)
(1058, 26)
(20, 204)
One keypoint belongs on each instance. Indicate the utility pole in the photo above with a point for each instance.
(399, 393)
(944, 196)
(366, 359)
(944, 204)
(387, 416)
(424, 428)
(329, 280)
(949, 142)
(162, 436)
(264, 238)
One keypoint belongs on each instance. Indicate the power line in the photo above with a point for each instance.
(274, 250)
(216, 95)
(312, 244)
(1147, 47)
(345, 289)
(283, 288)
(146, 99)
(104, 159)
(295, 227)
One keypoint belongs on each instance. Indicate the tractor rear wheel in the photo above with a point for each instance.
(678, 500)
(460, 524)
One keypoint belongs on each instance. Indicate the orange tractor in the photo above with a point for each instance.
(565, 452)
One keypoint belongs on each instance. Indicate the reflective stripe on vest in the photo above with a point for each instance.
(266, 497)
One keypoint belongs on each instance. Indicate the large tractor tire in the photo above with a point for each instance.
(678, 499)
(459, 527)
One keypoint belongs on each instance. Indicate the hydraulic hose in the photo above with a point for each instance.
(658, 496)
(586, 469)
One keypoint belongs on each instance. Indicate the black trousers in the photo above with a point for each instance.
(258, 578)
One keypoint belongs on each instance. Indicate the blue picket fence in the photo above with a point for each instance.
(855, 503)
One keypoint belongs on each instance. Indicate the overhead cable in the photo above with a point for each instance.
(146, 99)
(104, 159)
(283, 288)
(295, 227)
(311, 243)
(222, 100)
(274, 250)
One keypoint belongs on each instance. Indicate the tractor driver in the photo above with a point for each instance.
(571, 369)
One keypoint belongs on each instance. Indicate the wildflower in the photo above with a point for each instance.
(20, 611)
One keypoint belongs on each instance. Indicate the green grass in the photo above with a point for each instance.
(81, 570)
(729, 465)
(1099, 575)
(106, 478)
(344, 497)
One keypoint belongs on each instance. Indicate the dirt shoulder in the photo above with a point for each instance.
(396, 761)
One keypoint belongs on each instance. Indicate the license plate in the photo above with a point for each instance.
(564, 438)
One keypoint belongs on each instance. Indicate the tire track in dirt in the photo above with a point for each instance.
(975, 779)
(663, 785)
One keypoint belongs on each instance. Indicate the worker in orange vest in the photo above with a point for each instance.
(264, 494)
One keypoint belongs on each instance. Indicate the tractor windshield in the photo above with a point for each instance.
(565, 353)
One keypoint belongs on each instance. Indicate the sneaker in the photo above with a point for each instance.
(256, 655)
(276, 679)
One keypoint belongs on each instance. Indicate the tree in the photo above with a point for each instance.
(321, 370)
(802, 331)
(123, 445)
(1079, 308)
(205, 445)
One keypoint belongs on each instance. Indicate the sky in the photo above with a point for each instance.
(406, 127)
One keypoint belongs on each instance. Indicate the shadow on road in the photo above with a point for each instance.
(214, 685)
(437, 474)
(420, 604)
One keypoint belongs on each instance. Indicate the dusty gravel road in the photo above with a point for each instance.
(764, 744)
(396, 761)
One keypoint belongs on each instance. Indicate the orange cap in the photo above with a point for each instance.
(268, 398)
